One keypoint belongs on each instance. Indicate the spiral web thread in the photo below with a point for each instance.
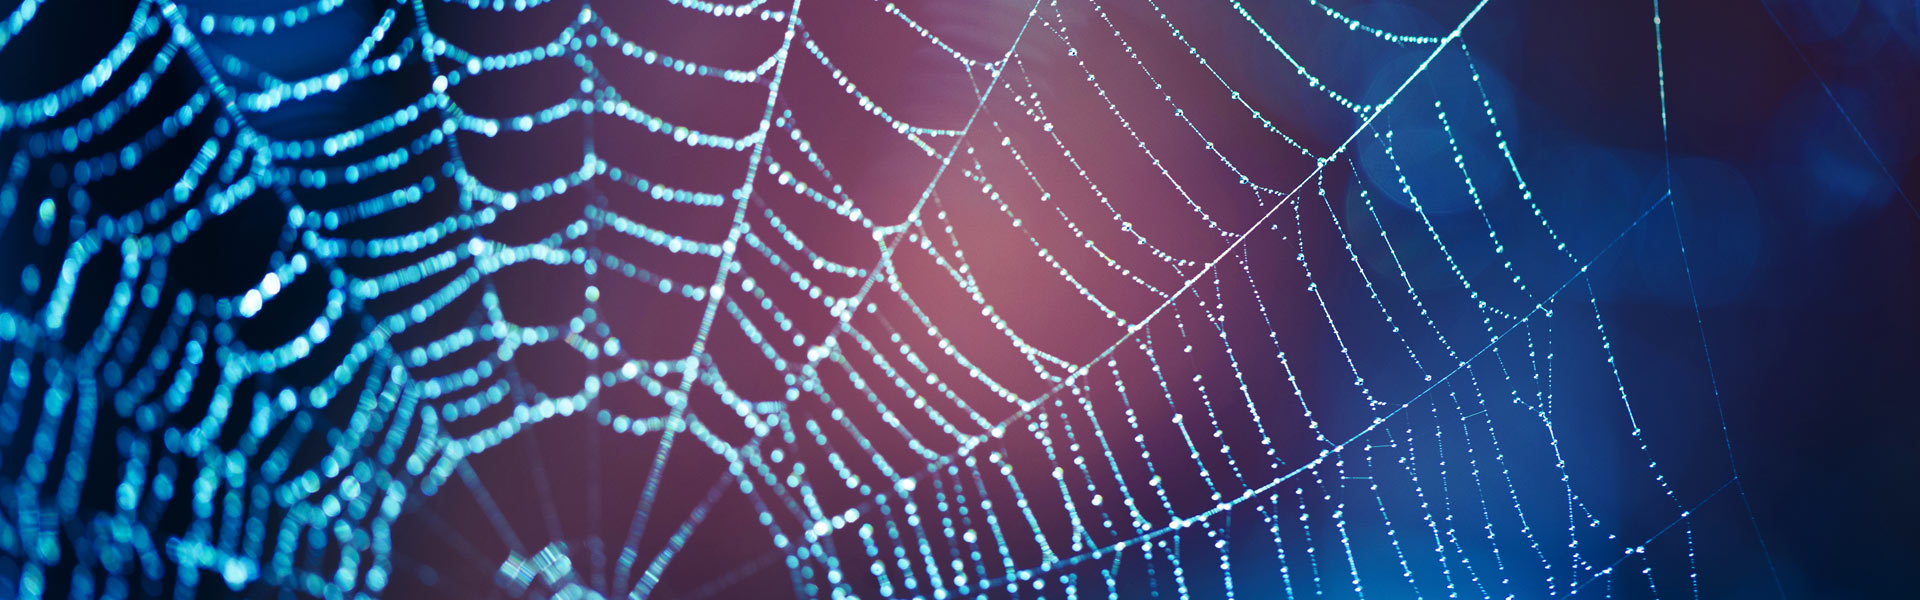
(161, 438)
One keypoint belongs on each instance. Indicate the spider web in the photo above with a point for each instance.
(538, 298)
